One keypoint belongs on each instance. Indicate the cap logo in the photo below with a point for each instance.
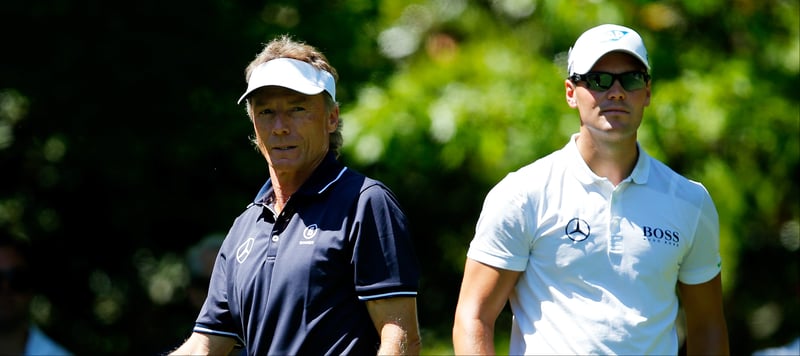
(615, 35)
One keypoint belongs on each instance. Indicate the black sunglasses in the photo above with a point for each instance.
(18, 279)
(602, 81)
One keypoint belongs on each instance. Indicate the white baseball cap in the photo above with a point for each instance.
(293, 74)
(599, 40)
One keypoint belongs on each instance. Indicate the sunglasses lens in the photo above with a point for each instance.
(632, 80)
(599, 81)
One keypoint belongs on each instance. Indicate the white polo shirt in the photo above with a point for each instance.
(600, 263)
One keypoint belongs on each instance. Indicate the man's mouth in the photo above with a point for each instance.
(283, 148)
(614, 111)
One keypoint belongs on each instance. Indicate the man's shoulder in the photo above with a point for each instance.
(665, 176)
(663, 171)
(353, 178)
(361, 187)
(543, 166)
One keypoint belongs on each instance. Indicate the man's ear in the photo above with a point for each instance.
(333, 119)
(569, 93)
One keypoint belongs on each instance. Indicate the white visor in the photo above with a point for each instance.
(292, 74)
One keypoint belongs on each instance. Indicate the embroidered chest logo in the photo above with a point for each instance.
(244, 250)
(308, 234)
(578, 230)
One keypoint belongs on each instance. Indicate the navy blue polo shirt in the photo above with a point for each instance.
(297, 283)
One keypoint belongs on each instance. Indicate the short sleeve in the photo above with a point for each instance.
(501, 239)
(703, 261)
(384, 261)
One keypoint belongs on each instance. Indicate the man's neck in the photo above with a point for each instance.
(614, 161)
(284, 185)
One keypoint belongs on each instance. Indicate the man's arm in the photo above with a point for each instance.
(706, 331)
(397, 323)
(484, 293)
(205, 344)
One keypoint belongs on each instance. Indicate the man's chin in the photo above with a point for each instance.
(283, 163)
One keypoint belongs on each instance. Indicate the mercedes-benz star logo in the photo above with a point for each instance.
(244, 250)
(578, 230)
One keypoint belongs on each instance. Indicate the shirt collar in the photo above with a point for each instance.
(585, 175)
(324, 176)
